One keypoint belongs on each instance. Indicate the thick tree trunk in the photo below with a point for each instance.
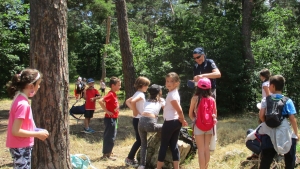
(48, 53)
(246, 31)
(105, 53)
(126, 52)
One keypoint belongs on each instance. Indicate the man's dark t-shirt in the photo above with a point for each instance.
(206, 67)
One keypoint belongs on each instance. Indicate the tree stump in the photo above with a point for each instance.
(153, 149)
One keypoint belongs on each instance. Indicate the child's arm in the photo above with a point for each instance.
(102, 104)
(133, 106)
(262, 114)
(17, 131)
(128, 103)
(178, 108)
(293, 122)
(266, 89)
(192, 107)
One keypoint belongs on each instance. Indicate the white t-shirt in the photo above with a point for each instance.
(154, 107)
(140, 103)
(169, 112)
(263, 93)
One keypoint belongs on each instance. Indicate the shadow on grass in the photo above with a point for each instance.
(9, 165)
(125, 128)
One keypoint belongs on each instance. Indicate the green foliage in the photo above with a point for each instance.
(14, 40)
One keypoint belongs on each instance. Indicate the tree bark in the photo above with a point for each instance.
(126, 52)
(105, 53)
(246, 31)
(48, 54)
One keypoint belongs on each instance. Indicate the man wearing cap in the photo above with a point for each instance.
(205, 68)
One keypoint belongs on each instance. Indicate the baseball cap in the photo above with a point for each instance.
(90, 80)
(199, 51)
(154, 89)
(204, 83)
(79, 78)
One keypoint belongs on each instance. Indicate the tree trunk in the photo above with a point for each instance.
(126, 52)
(105, 53)
(246, 31)
(48, 54)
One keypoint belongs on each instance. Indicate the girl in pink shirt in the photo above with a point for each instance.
(21, 128)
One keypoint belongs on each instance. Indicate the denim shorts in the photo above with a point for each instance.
(21, 157)
(197, 131)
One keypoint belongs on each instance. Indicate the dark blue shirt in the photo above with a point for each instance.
(206, 67)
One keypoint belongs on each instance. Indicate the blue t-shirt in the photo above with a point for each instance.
(288, 109)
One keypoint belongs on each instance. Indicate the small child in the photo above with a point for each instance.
(202, 137)
(91, 95)
(21, 128)
(136, 104)
(79, 87)
(109, 103)
(102, 87)
(173, 120)
(264, 76)
(148, 121)
(275, 140)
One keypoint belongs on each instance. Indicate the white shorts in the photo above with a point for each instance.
(197, 131)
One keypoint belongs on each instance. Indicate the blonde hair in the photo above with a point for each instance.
(174, 76)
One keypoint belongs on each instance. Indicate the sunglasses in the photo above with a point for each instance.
(195, 58)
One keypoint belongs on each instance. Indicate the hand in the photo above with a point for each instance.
(42, 134)
(93, 99)
(109, 113)
(183, 122)
(197, 78)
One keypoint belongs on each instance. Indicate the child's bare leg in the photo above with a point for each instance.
(207, 138)
(159, 165)
(201, 150)
(176, 164)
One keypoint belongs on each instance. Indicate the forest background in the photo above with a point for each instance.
(163, 34)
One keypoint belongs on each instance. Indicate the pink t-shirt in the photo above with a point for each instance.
(20, 109)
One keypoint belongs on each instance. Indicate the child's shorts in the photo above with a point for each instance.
(21, 157)
(197, 131)
(89, 113)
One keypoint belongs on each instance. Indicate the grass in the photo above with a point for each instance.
(229, 153)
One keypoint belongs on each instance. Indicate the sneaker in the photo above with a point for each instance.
(141, 167)
(88, 131)
(132, 163)
(253, 157)
(106, 157)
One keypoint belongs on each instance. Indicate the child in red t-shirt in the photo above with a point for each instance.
(109, 103)
(91, 95)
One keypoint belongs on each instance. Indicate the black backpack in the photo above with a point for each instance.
(273, 115)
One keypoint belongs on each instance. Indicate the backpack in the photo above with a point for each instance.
(206, 109)
(80, 163)
(273, 115)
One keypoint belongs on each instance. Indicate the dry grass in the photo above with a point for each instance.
(231, 133)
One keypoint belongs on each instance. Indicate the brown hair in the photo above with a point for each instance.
(265, 73)
(20, 81)
(141, 82)
(174, 76)
(278, 81)
(113, 81)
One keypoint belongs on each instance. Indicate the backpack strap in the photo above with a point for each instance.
(284, 99)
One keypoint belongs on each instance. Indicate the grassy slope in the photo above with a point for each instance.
(231, 134)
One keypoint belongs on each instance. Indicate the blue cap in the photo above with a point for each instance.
(90, 80)
(199, 51)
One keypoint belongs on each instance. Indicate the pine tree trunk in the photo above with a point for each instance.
(246, 31)
(126, 52)
(108, 20)
(48, 54)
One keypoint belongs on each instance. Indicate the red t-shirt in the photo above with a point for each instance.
(112, 104)
(90, 93)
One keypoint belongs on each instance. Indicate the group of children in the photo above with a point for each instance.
(145, 113)
(268, 141)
